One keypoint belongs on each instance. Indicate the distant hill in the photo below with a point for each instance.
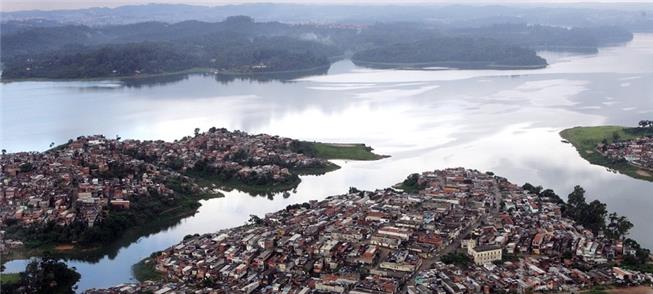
(550, 38)
(43, 49)
(636, 17)
(133, 59)
(236, 45)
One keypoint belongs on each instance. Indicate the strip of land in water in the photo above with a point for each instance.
(586, 140)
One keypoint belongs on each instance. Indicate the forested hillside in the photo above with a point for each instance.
(451, 52)
(239, 45)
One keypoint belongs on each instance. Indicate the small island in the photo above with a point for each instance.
(91, 190)
(627, 150)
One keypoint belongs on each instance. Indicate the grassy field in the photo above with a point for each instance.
(10, 278)
(585, 140)
(345, 151)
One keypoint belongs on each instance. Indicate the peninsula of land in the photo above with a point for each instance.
(627, 150)
(457, 231)
(93, 189)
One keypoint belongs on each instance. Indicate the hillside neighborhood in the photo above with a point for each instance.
(83, 181)
(459, 231)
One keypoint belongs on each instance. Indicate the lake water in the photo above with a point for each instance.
(501, 121)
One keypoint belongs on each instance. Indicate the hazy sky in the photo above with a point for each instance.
(13, 5)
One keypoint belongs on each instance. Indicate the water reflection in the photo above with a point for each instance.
(221, 78)
(504, 121)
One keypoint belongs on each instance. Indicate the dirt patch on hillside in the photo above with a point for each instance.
(589, 151)
(644, 173)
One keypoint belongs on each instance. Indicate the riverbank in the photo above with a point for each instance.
(145, 270)
(144, 224)
(585, 140)
(198, 70)
(445, 65)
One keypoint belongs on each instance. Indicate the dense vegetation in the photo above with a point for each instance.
(144, 270)
(258, 55)
(452, 52)
(460, 259)
(585, 140)
(411, 184)
(45, 275)
(551, 38)
(238, 45)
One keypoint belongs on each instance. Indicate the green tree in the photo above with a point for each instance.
(530, 188)
(593, 216)
(616, 137)
(254, 219)
(641, 257)
(618, 226)
(46, 276)
(576, 201)
(550, 194)
(26, 167)
(411, 183)
(456, 258)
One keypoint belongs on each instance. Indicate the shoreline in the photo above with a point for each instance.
(445, 65)
(191, 71)
(585, 140)
(91, 252)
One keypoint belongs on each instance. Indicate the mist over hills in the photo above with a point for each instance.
(634, 17)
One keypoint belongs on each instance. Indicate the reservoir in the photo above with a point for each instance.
(501, 121)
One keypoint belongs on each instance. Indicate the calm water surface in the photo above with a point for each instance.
(501, 121)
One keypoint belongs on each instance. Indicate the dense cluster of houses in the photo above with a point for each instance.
(390, 241)
(638, 152)
(88, 176)
(529, 246)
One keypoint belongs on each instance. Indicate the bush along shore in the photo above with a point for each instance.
(79, 196)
